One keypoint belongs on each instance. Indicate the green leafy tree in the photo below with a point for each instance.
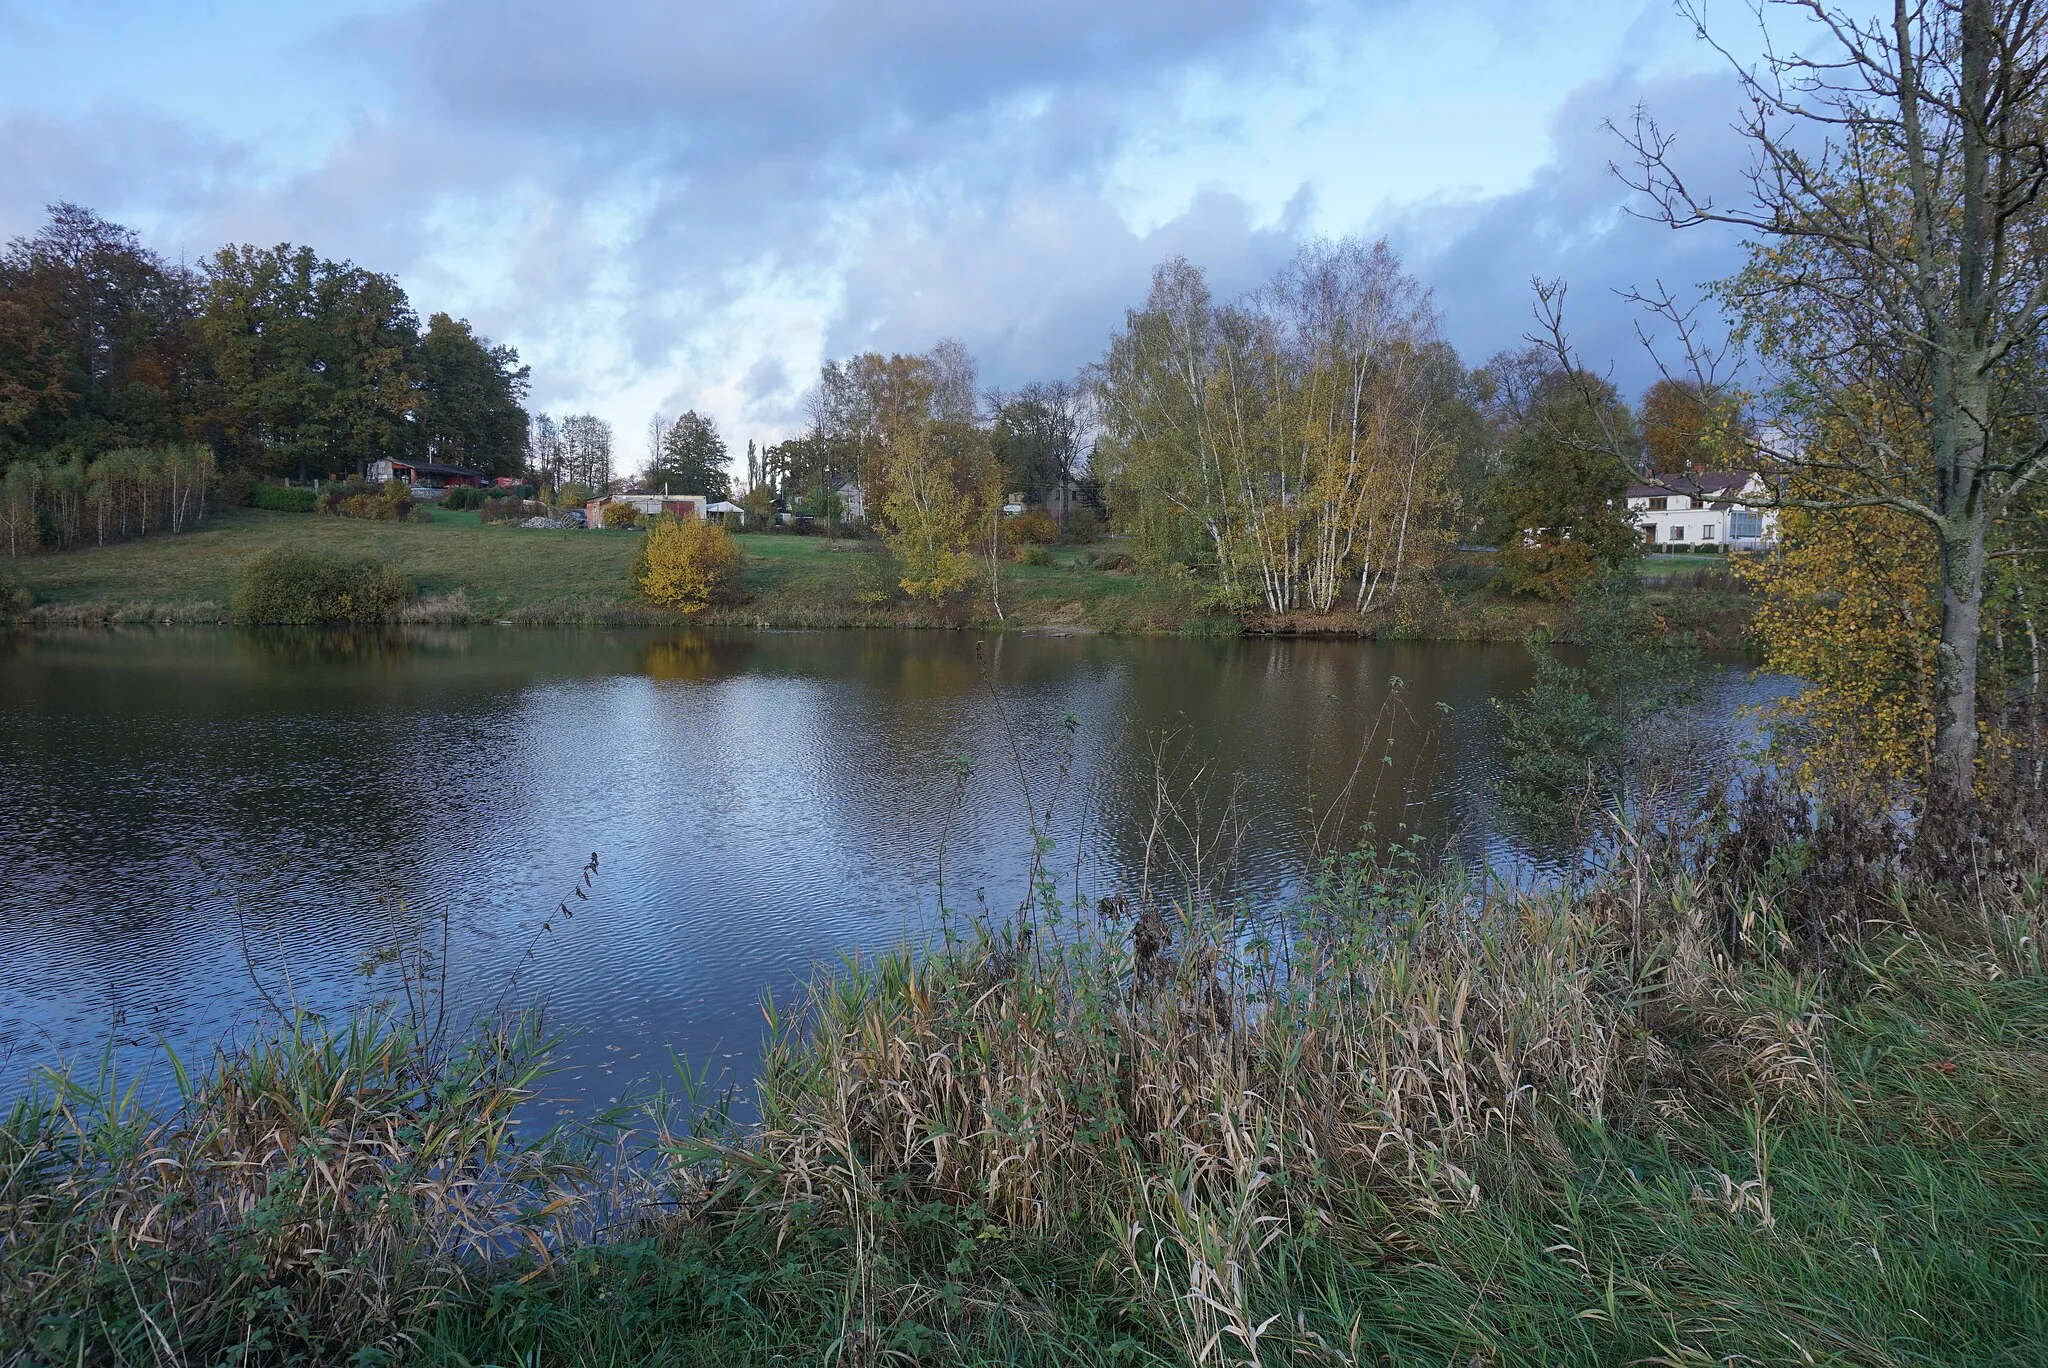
(315, 363)
(473, 395)
(691, 459)
(1557, 511)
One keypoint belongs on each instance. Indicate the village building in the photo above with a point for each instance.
(1707, 508)
(647, 506)
(427, 478)
(853, 500)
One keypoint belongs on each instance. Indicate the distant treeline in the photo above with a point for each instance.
(273, 359)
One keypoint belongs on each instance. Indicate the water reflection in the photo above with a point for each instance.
(759, 802)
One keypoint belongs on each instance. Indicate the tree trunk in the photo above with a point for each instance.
(1955, 672)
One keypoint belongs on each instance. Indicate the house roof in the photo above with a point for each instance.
(1712, 484)
(433, 467)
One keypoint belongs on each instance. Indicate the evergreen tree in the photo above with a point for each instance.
(692, 459)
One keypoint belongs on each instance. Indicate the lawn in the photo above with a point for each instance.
(538, 576)
(503, 570)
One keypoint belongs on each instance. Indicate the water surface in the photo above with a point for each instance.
(186, 816)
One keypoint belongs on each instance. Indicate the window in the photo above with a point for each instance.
(1658, 502)
(1745, 526)
(1677, 533)
(1707, 532)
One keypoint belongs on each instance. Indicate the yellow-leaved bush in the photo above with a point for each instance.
(688, 563)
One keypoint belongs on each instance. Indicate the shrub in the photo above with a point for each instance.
(1032, 529)
(393, 502)
(1083, 526)
(283, 498)
(14, 598)
(290, 587)
(1114, 560)
(689, 564)
(1033, 555)
(574, 495)
(456, 498)
(621, 516)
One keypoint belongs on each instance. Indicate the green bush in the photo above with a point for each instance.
(289, 587)
(1083, 526)
(283, 498)
(14, 598)
(1033, 555)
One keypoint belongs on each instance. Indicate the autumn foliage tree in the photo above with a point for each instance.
(1295, 444)
(1898, 218)
(689, 563)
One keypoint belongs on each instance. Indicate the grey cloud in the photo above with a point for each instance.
(1573, 222)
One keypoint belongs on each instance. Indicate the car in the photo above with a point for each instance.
(578, 516)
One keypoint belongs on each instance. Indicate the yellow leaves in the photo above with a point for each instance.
(940, 483)
(1848, 603)
(689, 564)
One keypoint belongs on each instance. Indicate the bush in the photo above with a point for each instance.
(456, 498)
(283, 499)
(621, 516)
(1083, 526)
(1032, 529)
(1033, 555)
(289, 587)
(574, 495)
(1113, 560)
(14, 598)
(689, 564)
(393, 502)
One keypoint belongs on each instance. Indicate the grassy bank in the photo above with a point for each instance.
(1742, 1097)
(515, 574)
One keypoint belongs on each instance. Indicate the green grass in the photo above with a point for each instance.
(576, 576)
(503, 570)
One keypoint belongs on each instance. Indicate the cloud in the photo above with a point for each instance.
(1574, 222)
(671, 206)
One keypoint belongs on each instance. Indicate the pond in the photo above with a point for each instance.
(191, 820)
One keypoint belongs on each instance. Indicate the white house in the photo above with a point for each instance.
(853, 500)
(1710, 508)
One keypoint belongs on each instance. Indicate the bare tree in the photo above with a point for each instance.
(1895, 192)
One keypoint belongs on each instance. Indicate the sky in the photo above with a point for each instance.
(668, 205)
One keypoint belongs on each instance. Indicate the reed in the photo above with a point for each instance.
(1766, 1086)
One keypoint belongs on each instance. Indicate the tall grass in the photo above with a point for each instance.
(1768, 1087)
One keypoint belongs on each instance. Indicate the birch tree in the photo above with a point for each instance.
(1899, 250)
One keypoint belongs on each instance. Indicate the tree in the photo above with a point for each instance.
(95, 351)
(1897, 211)
(691, 459)
(1037, 437)
(473, 393)
(941, 481)
(1295, 444)
(546, 457)
(587, 451)
(1557, 512)
(315, 364)
(1676, 420)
